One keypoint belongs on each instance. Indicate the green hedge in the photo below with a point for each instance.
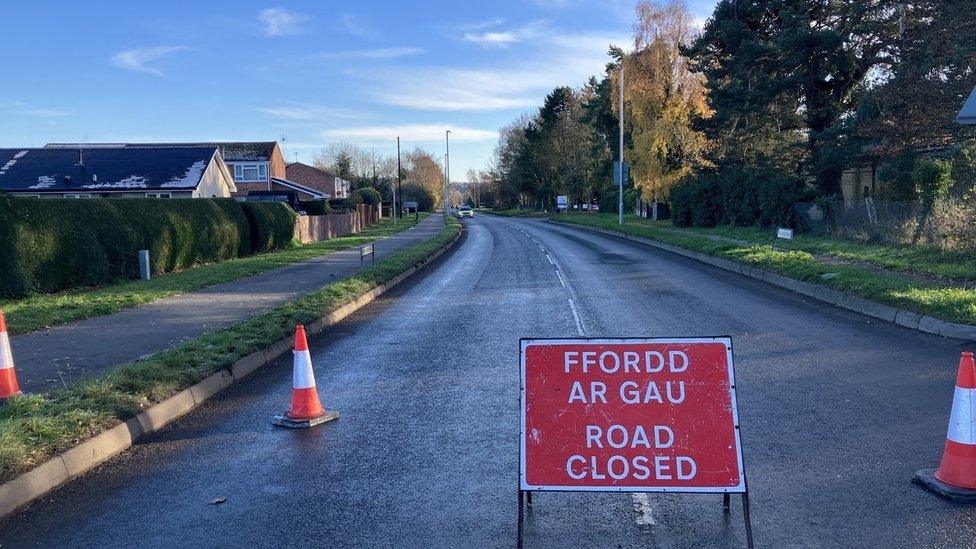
(271, 225)
(733, 196)
(368, 195)
(50, 245)
(315, 207)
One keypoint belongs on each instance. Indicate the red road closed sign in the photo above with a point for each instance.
(643, 415)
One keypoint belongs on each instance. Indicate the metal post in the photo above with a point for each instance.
(748, 519)
(620, 186)
(520, 519)
(447, 168)
(399, 192)
(144, 272)
(726, 499)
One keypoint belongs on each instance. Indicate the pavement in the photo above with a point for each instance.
(65, 354)
(837, 412)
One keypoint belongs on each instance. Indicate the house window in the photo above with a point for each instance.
(251, 172)
(77, 195)
(159, 195)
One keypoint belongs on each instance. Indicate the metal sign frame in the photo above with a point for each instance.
(525, 490)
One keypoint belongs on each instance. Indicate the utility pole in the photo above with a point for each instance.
(447, 167)
(399, 191)
(620, 186)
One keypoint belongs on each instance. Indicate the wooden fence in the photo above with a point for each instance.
(312, 228)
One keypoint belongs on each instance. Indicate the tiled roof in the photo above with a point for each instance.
(231, 151)
(103, 169)
(311, 177)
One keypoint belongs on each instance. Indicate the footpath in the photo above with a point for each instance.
(58, 356)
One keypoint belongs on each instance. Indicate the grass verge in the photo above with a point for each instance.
(35, 427)
(44, 310)
(946, 303)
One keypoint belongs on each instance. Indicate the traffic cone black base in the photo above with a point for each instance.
(282, 420)
(926, 477)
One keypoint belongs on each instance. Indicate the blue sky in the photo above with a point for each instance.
(305, 73)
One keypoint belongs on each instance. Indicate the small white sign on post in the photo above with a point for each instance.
(785, 234)
(562, 202)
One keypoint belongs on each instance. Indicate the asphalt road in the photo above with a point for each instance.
(71, 352)
(837, 412)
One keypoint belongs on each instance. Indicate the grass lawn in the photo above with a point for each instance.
(35, 427)
(42, 310)
(947, 303)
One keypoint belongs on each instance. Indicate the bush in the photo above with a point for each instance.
(736, 197)
(368, 195)
(50, 245)
(414, 192)
(342, 205)
(271, 225)
(315, 207)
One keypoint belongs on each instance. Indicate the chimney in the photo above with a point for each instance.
(81, 157)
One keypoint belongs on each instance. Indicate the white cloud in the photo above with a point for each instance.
(410, 132)
(139, 59)
(479, 25)
(379, 53)
(23, 109)
(569, 60)
(281, 22)
(354, 26)
(502, 39)
(309, 112)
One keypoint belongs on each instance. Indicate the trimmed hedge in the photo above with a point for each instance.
(271, 225)
(315, 207)
(50, 245)
(368, 195)
(735, 196)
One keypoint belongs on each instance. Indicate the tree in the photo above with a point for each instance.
(423, 169)
(663, 97)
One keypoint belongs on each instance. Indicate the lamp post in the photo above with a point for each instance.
(398, 206)
(447, 167)
(620, 186)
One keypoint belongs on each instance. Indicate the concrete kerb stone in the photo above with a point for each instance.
(97, 449)
(907, 319)
(21, 491)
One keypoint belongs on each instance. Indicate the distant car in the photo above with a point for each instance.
(465, 211)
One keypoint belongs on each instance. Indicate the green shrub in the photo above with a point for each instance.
(368, 195)
(315, 207)
(49, 245)
(734, 196)
(271, 225)
(415, 192)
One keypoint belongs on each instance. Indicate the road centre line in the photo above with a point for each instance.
(642, 504)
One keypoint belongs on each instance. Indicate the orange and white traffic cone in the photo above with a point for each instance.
(306, 409)
(8, 376)
(956, 476)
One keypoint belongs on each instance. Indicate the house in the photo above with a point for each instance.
(318, 179)
(252, 164)
(117, 172)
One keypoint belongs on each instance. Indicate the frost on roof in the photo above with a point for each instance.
(131, 182)
(189, 179)
(44, 182)
(10, 163)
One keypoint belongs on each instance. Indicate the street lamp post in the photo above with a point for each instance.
(620, 183)
(398, 206)
(447, 167)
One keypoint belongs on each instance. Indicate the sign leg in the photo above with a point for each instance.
(528, 497)
(518, 542)
(748, 520)
(726, 498)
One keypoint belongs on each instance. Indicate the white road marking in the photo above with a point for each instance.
(645, 513)
(642, 504)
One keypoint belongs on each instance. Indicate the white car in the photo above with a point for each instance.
(465, 211)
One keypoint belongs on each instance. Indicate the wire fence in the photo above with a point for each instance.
(948, 224)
